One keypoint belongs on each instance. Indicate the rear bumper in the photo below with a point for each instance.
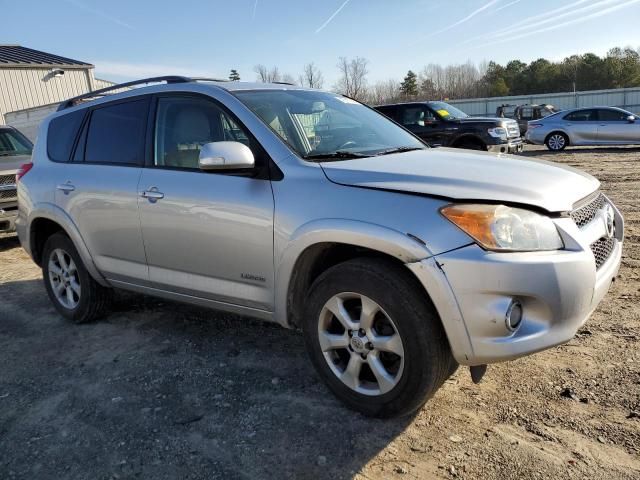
(512, 146)
(535, 136)
(8, 214)
(472, 290)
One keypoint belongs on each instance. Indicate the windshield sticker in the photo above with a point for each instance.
(444, 113)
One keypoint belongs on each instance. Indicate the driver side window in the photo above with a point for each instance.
(413, 117)
(184, 125)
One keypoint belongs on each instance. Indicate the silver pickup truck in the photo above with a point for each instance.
(15, 150)
(303, 207)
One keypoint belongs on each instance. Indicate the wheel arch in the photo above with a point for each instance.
(46, 220)
(468, 138)
(560, 131)
(319, 245)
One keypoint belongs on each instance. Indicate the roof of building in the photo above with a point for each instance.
(16, 56)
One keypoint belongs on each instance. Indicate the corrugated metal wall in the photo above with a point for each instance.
(627, 98)
(98, 83)
(28, 120)
(22, 88)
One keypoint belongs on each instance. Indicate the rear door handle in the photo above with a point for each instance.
(152, 194)
(66, 187)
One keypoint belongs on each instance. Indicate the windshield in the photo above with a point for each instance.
(446, 111)
(13, 143)
(321, 125)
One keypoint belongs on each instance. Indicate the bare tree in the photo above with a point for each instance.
(312, 76)
(386, 91)
(287, 78)
(353, 77)
(453, 81)
(265, 75)
(262, 73)
(274, 75)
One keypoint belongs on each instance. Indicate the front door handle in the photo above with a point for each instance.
(152, 194)
(66, 187)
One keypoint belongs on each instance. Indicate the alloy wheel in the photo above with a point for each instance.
(557, 142)
(361, 344)
(64, 278)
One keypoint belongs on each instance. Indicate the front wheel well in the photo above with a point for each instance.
(314, 261)
(469, 141)
(41, 230)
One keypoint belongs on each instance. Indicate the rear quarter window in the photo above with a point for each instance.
(62, 134)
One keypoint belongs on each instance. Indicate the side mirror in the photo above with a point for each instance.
(631, 119)
(225, 156)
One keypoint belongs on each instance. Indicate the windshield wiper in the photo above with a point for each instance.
(339, 155)
(399, 150)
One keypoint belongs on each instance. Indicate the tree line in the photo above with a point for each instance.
(619, 68)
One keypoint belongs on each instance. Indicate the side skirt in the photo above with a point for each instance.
(202, 302)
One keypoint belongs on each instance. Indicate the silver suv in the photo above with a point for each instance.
(309, 209)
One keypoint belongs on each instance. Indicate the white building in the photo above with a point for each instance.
(32, 83)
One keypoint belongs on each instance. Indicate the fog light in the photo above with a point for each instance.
(513, 318)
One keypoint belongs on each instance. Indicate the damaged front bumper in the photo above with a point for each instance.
(473, 289)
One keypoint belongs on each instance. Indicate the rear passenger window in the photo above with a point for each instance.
(117, 133)
(582, 116)
(62, 135)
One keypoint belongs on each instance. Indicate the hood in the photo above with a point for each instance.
(466, 175)
(12, 163)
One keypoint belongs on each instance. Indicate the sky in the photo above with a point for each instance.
(128, 39)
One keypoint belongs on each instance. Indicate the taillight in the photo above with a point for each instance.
(22, 171)
(531, 126)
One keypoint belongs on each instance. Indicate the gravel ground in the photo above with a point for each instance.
(159, 390)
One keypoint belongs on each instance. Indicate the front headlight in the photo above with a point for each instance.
(498, 227)
(498, 132)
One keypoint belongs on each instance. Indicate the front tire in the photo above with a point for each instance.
(74, 293)
(375, 338)
(556, 141)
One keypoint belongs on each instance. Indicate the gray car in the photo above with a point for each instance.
(15, 150)
(309, 209)
(585, 126)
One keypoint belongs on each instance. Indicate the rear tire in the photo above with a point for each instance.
(398, 355)
(556, 141)
(74, 293)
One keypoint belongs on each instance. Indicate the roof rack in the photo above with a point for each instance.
(284, 83)
(205, 79)
(101, 92)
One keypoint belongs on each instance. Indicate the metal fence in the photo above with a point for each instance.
(627, 98)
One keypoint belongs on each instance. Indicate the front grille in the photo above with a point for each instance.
(7, 179)
(586, 213)
(602, 250)
(6, 194)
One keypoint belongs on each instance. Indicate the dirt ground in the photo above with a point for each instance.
(159, 390)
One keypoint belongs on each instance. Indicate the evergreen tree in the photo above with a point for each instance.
(234, 75)
(409, 87)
